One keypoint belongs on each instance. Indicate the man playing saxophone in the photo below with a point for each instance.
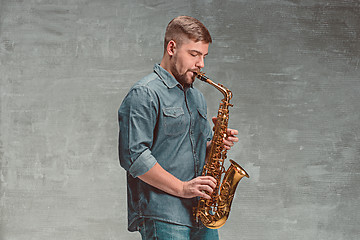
(164, 137)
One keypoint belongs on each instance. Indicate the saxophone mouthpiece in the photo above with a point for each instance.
(201, 76)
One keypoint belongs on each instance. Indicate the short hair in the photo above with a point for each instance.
(186, 26)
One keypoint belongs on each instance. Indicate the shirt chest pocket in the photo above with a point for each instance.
(174, 121)
(203, 122)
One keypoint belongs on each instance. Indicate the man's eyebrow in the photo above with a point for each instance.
(198, 52)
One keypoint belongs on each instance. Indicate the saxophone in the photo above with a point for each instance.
(214, 212)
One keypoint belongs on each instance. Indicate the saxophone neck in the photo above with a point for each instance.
(225, 91)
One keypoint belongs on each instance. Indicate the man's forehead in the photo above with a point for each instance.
(199, 46)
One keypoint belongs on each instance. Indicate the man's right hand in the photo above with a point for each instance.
(199, 187)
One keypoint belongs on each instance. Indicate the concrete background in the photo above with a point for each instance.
(293, 67)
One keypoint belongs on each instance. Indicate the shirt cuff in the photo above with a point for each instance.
(142, 164)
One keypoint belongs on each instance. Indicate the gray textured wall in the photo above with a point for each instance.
(293, 67)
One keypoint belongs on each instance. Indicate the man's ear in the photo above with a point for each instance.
(171, 47)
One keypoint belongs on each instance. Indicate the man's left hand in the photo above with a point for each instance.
(230, 138)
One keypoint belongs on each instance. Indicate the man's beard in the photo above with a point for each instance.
(183, 78)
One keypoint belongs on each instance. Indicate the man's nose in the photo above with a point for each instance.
(200, 63)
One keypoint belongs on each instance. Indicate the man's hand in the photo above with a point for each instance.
(230, 138)
(199, 187)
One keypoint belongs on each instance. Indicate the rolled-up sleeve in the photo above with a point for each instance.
(137, 120)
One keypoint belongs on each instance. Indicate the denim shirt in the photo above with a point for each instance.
(161, 122)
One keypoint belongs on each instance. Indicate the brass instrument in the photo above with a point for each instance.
(215, 211)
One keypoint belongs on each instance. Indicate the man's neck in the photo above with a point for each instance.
(165, 64)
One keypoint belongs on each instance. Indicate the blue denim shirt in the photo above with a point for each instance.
(162, 122)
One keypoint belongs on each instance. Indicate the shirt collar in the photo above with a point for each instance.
(166, 77)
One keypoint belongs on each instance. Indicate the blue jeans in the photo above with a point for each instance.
(158, 230)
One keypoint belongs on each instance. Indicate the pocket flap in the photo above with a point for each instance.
(173, 111)
(202, 113)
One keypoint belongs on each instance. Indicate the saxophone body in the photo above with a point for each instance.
(214, 212)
